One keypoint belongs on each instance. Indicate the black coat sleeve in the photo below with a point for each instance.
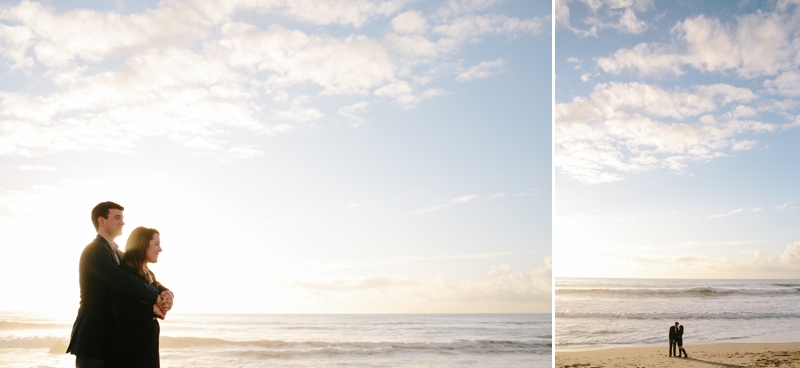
(101, 265)
(161, 288)
(127, 309)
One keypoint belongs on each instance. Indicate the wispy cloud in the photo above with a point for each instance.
(782, 207)
(499, 284)
(482, 70)
(709, 45)
(725, 214)
(361, 283)
(403, 259)
(36, 168)
(628, 128)
(451, 203)
(196, 74)
(759, 261)
(529, 193)
(736, 211)
(349, 112)
(620, 15)
(716, 244)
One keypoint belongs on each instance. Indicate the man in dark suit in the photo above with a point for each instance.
(673, 334)
(99, 275)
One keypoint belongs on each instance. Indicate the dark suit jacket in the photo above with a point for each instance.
(134, 338)
(99, 275)
(673, 333)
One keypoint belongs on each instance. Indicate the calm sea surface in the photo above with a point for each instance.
(237, 340)
(596, 312)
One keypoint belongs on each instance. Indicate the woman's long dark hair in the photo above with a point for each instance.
(136, 252)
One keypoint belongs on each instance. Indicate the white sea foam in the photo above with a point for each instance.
(213, 340)
(640, 311)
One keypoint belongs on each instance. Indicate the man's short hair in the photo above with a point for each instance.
(677, 323)
(101, 210)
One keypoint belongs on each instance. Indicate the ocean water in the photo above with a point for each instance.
(601, 312)
(238, 340)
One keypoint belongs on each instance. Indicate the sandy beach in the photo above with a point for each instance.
(732, 355)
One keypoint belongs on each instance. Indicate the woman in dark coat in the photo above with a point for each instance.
(134, 339)
(679, 341)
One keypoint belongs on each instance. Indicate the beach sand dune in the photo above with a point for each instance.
(729, 355)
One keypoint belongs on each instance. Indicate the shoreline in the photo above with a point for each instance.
(726, 354)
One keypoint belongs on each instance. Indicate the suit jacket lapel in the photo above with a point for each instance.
(116, 256)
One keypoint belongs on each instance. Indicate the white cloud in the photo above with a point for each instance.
(458, 7)
(281, 97)
(620, 15)
(789, 260)
(415, 45)
(786, 84)
(349, 112)
(725, 214)
(469, 28)
(483, 70)
(14, 44)
(452, 202)
(621, 128)
(192, 100)
(782, 207)
(501, 285)
(350, 66)
(327, 266)
(760, 263)
(362, 283)
(394, 89)
(497, 195)
(410, 22)
(244, 152)
(346, 12)
(298, 113)
(416, 48)
(90, 35)
(529, 193)
(756, 44)
(401, 91)
(188, 72)
(432, 92)
(643, 59)
(740, 111)
(36, 168)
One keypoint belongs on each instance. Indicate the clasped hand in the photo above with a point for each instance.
(163, 304)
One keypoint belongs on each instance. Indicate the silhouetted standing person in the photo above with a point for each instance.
(679, 342)
(673, 335)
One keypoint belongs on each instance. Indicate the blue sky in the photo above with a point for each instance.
(676, 131)
(350, 157)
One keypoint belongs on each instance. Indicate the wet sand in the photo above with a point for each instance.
(730, 355)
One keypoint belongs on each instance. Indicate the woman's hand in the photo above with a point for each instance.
(166, 298)
(158, 312)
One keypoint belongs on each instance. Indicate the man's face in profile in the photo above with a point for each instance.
(113, 224)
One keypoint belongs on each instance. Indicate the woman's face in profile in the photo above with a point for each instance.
(154, 249)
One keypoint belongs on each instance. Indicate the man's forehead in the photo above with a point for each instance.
(114, 212)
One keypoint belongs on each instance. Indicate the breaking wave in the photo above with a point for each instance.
(280, 348)
(682, 292)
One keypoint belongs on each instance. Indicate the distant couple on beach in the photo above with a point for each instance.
(116, 324)
(676, 339)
